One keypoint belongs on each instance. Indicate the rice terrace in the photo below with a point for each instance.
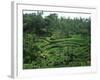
(56, 39)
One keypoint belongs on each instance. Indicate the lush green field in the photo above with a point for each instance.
(50, 41)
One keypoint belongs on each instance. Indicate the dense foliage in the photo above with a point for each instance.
(53, 41)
